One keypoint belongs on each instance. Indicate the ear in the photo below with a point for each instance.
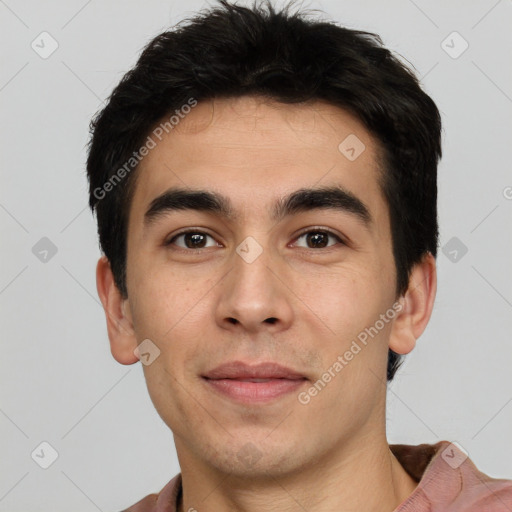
(117, 311)
(417, 304)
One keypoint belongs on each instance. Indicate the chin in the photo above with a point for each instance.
(257, 460)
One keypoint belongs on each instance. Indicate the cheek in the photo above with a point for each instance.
(159, 298)
(344, 300)
(175, 315)
(350, 303)
(153, 312)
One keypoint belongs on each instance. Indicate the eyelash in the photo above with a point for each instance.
(302, 233)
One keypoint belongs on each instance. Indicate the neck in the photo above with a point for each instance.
(363, 477)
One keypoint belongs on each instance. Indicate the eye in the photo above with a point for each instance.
(196, 240)
(192, 239)
(318, 238)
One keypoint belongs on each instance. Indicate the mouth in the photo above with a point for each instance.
(260, 383)
(255, 390)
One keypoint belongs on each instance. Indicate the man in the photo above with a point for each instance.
(265, 190)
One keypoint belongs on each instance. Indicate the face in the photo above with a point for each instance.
(295, 289)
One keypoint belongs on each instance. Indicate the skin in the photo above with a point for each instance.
(331, 454)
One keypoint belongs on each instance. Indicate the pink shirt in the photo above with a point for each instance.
(448, 481)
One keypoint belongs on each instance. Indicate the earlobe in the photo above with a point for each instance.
(117, 311)
(417, 304)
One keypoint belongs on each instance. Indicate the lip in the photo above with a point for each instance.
(241, 370)
(259, 383)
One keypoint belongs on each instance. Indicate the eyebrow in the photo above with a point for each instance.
(302, 200)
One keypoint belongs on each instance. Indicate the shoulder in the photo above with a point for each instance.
(164, 501)
(449, 480)
(147, 504)
(485, 492)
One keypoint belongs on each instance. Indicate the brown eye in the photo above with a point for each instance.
(318, 239)
(191, 240)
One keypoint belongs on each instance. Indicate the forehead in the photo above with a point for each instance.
(255, 151)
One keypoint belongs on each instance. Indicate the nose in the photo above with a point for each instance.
(254, 296)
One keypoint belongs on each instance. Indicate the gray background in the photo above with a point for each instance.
(59, 381)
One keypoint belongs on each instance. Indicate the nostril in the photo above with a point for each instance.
(271, 320)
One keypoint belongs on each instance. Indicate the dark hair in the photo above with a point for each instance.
(232, 51)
